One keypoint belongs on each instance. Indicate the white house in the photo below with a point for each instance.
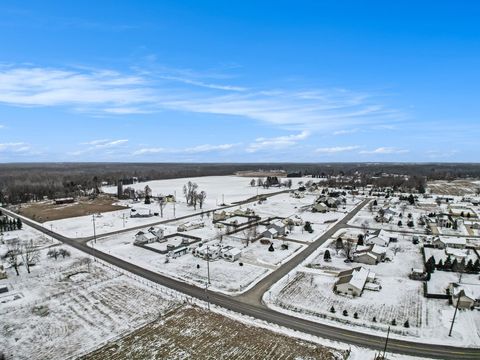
(351, 282)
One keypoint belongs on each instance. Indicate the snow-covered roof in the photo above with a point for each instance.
(356, 277)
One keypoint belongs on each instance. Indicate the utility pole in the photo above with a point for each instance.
(123, 217)
(51, 231)
(386, 342)
(208, 266)
(174, 203)
(94, 232)
(454, 314)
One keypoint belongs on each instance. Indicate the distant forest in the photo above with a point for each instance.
(25, 182)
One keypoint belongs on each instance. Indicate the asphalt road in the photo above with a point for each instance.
(249, 304)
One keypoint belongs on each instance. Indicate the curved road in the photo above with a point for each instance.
(250, 303)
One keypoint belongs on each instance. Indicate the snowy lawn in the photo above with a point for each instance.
(225, 276)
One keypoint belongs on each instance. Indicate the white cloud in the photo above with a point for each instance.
(204, 84)
(17, 147)
(114, 93)
(276, 142)
(345, 132)
(336, 149)
(99, 145)
(385, 150)
(188, 150)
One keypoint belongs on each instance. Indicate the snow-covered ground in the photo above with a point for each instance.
(307, 291)
(225, 276)
(219, 189)
(68, 306)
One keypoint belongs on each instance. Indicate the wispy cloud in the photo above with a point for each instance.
(16, 147)
(276, 142)
(345, 132)
(115, 94)
(98, 145)
(204, 84)
(385, 150)
(188, 150)
(336, 149)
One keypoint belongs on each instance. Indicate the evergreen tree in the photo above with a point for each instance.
(360, 240)
(326, 256)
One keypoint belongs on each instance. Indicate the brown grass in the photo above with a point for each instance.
(48, 211)
(192, 333)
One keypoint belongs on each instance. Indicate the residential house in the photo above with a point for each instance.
(192, 225)
(370, 255)
(231, 253)
(145, 238)
(442, 242)
(352, 282)
(320, 207)
(270, 233)
(158, 232)
(466, 297)
(381, 238)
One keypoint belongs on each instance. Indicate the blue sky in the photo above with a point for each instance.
(248, 81)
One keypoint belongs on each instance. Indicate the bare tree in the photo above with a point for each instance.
(53, 253)
(190, 190)
(65, 253)
(30, 254)
(348, 248)
(201, 198)
(161, 203)
(250, 233)
(13, 254)
(364, 226)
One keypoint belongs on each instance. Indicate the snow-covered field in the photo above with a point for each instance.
(308, 292)
(229, 189)
(68, 306)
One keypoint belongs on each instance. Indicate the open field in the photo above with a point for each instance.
(192, 333)
(47, 211)
(71, 305)
(454, 187)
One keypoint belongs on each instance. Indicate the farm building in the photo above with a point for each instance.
(141, 213)
(67, 200)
